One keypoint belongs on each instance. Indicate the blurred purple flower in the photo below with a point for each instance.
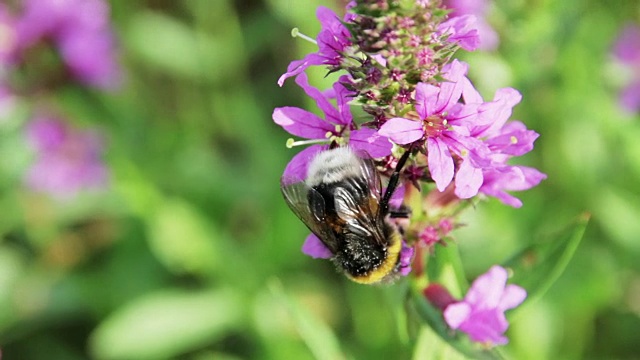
(627, 45)
(461, 30)
(67, 160)
(404, 262)
(488, 38)
(627, 50)
(81, 31)
(481, 313)
(332, 41)
(337, 124)
(7, 36)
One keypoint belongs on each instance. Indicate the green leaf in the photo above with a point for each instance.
(166, 324)
(177, 48)
(445, 267)
(320, 339)
(538, 266)
(431, 346)
(183, 239)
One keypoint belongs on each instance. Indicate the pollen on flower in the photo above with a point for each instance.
(435, 125)
(514, 140)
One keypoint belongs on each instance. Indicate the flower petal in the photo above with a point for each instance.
(402, 131)
(301, 123)
(627, 46)
(331, 114)
(370, 141)
(315, 248)
(456, 314)
(493, 115)
(397, 198)
(468, 180)
(343, 97)
(426, 99)
(486, 291)
(513, 296)
(440, 162)
(451, 89)
(630, 97)
(298, 66)
(469, 92)
(296, 169)
(462, 30)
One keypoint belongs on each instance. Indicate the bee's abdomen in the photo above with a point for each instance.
(359, 257)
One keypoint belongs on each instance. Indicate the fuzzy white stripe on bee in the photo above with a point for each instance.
(333, 165)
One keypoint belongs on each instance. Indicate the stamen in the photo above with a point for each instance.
(291, 142)
(514, 140)
(296, 33)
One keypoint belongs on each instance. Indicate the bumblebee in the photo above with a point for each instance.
(342, 203)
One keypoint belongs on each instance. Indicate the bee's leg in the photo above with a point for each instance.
(393, 182)
(404, 212)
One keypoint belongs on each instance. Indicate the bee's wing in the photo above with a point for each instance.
(309, 206)
(368, 171)
(357, 203)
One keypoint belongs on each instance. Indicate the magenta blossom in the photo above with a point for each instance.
(488, 38)
(7, 36)
(505, 139)
(67, 160)
(627, 50)
(81, 31)
(444, 125)
(461, 30)
(481, 313)
(332, 40)
(336, 126)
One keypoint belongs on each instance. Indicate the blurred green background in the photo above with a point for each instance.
(193, 254)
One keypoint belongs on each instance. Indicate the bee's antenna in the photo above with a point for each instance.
(393, 183)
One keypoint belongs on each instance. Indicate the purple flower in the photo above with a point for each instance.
(500, 179)
(488, 37)
(405, 258)
(481, 313)
(504, 140)
(444, 125)
(627, 46)
(461, 30)
(627, 50)
(315, 248)
(67, 160)
(332, 41)
(337, 125)
(81, 31)
(7, 36)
